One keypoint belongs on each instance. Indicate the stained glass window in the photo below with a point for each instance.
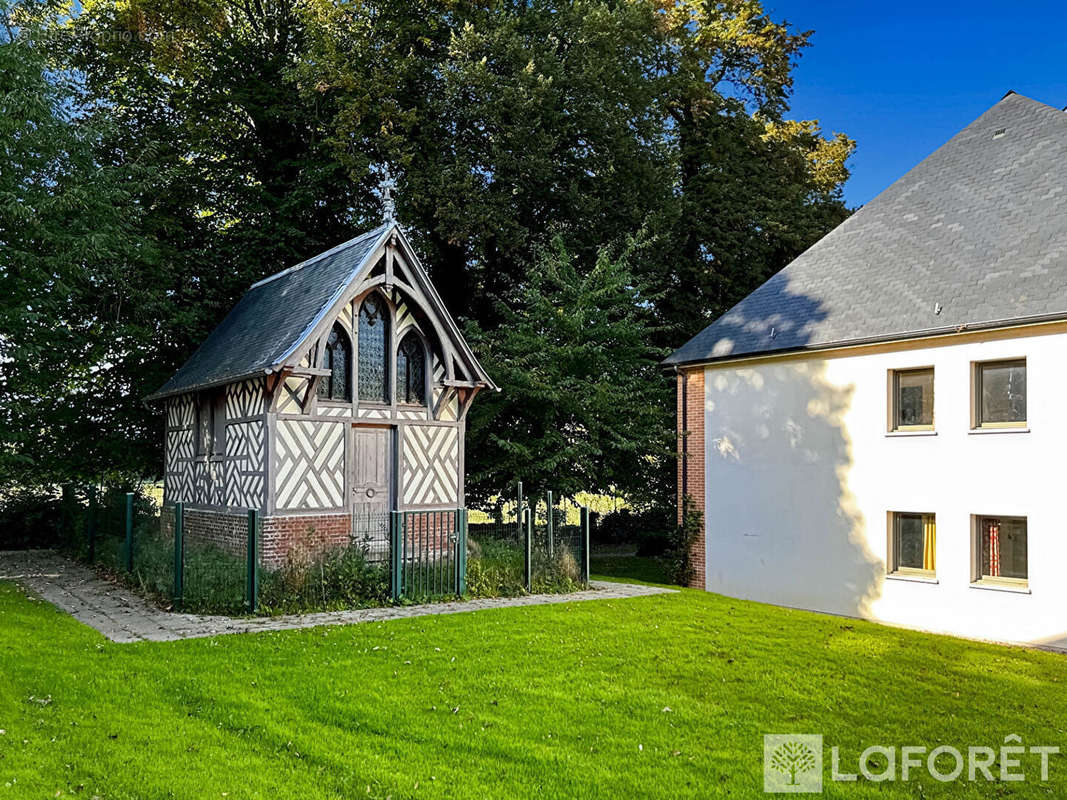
(411, 371)
(336, 357)
(373, 334)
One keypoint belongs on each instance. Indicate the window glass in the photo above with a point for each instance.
(1002, 392)
(373, 334)
(205, 423)
(327, 363)
(914, 542)
(411, 371)
(915, 398)
(336, 357)
(1003, 547)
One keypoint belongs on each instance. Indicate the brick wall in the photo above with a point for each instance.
(225, 530)
(299, 538)
(281, 537)
(691, 457)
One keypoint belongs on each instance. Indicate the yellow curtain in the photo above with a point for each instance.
(929, 541)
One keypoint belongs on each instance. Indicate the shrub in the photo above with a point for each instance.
(649, 529)
(679, 555)
(494, 568)
(323, 578)
(30, 517)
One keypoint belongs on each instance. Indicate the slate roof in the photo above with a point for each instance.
(979, 227)
(272, 318)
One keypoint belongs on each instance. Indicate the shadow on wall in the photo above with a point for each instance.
(783, 526)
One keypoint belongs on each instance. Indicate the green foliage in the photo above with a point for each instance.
(495, 568)
(585, 403)
(78, 281)
(679, 555)
(336, 579)
(160, 156)
(30, 517)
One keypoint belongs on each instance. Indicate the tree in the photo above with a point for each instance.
(583, 408)
(78, 285)
(242, 138)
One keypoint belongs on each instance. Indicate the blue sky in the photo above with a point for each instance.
(902, 78)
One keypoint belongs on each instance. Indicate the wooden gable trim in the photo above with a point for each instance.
(391, 246)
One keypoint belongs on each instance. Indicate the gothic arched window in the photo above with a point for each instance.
(373, 366)
(336, 357)
(411, 370)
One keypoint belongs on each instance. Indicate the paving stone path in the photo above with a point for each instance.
(123, 616)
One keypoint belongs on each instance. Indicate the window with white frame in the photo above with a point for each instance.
(1000, 394)
(1000, 550)
(911, 399)
(912, 544)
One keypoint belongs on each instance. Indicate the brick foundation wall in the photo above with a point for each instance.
(225, 530)
(691, 455)
(298, 538)
(286, 539)
(281, 537)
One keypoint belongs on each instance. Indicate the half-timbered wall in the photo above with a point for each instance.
(312, 453)
(234, 478)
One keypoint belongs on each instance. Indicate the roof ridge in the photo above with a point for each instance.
(335, 249)
(974, 234)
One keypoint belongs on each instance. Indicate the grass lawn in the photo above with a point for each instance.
(663, 696)
(636, 569)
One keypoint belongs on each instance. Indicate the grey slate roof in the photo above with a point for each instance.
(272, 318)
(979, 227)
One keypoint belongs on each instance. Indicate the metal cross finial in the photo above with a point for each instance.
(387, 187)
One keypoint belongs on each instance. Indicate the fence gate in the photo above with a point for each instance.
(428, 554)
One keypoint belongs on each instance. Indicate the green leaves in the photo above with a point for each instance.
(156, 158)
(584, 405)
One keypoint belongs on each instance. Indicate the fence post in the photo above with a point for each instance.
(396, 556)
(584, 544)
(129, 532)
(252, 570)
(179, 551)
(90, 525)
(551, 529)
(518, 510)
(528, 551)
(461, 553)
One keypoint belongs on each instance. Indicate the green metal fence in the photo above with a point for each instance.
(529, 545)
(521, 546)
(428, 554)
(319, 573)
(128, 534)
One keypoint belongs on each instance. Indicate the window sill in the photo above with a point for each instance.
(906, 433)
(897, 576)
(983, 431)
(1022, 588)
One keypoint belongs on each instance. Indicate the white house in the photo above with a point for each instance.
(880, 430)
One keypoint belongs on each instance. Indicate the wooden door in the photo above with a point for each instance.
(371, 487)
(371, 460)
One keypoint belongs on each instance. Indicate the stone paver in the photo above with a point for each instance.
(123, 616)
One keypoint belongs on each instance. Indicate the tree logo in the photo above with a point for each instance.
(792, 762)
